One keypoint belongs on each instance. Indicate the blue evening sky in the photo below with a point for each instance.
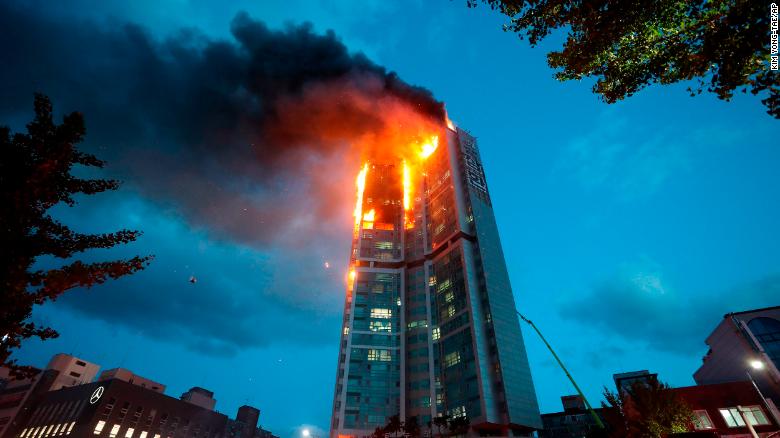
(628, 229)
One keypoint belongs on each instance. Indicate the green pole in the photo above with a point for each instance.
(592, 412)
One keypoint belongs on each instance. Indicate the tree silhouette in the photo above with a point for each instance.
(441, 422)
(645, 410)
(459, 426)
(412, 426)
(35, 175)
(627, 45)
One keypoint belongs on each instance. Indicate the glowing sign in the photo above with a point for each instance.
(96, 395)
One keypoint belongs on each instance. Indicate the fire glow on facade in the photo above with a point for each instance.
(415, 157)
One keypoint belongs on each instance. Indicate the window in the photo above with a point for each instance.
(754, 415)
(380, 355)
(143, 434)
(75, 374)
(383, 245)
(415, 324)
(380, 326)
(70, 428)
(81, 363)
(114, 431)
(701, 420)
(381, 313)
(99, 427)
(436, 333)
(452, 359)
(459, 411)
(129, 433)
(732, 417)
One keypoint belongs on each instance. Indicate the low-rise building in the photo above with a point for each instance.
(117, 409)
(573, 422)
(725, 409)
(130, 377)
(745, 345)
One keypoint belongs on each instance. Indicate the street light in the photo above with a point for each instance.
(759, 365)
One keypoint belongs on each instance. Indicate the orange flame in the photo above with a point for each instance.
(407, 182)
(429, 147)
(369, 217)
(361, 187)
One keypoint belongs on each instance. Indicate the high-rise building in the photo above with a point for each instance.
(429, 324)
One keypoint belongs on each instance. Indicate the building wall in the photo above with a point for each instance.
(15, 394)
(72, 370)
(130, 377)
(733, 345)
(713, 398)
(87, 411)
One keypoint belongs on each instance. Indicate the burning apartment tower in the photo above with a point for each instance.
(429, 324)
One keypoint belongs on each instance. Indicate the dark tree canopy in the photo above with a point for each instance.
(627, 45)
(35, 175)
(648, 410)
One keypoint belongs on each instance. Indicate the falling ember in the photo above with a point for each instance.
(361, 187)
(429, 147)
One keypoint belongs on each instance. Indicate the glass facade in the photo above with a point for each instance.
(429, 322)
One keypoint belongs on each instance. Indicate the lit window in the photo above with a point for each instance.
(436, 333)
(452, 359)
(383, 245)
(432, 281)
(732, 417)
(346, 330)
(754, 415)
(23, 432)
(449, 296)
(381, 313)
(459, 411)
(380, 355)
(114, 431)
(99, 427)
(143, 434)
(54, 432)
(129, 433)
(444, 285)
(701, 420)
(450, 311)
(380, 326)
(157, 435)
(415, 324)
(70, 428)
